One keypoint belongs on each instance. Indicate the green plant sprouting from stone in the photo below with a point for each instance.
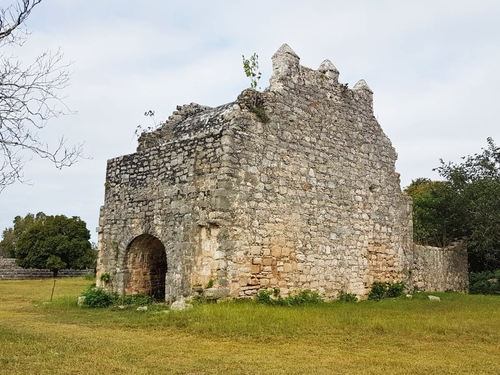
(251, 68)
(210, 284)
(140, 130)
(255, 104)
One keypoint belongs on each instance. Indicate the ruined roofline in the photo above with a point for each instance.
(185, 122)
(189, 119)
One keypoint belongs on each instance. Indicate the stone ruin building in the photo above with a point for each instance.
(292, 188)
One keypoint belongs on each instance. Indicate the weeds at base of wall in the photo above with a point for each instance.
(97, 297)
(347, 297)
(381, 290)
(100, 298)
(272, 297)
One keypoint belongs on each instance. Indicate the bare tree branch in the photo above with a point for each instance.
(12, 18)
(29, 97)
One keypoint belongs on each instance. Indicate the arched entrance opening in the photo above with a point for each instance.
(146, 264)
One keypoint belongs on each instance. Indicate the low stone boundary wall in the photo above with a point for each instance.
(439, 269)
(10, 271)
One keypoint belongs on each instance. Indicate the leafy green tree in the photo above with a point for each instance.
(251, 68)
(465, 206)
(476, 185)
(55, 242)
(11, 235)
(7, 245)
(434, 221)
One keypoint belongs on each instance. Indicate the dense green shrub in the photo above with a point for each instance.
(395, 290)
(304, 296)
(378, 291)
(264, 296)
(381, 290)
(97, 297)
(484, 282)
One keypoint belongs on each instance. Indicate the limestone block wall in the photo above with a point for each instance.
(172, 190)
(438, 269)
(10, 271)
(319, 205)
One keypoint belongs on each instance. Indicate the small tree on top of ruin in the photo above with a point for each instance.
(251, 68)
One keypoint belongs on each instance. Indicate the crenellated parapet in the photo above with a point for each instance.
(289, 75)
(286, 68)
(329, 70)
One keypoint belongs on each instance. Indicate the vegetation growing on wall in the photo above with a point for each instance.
(252, 98)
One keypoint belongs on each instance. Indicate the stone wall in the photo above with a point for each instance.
(317, 197)
(292, 188)
(170, 191)
(438, 269)
(9, 270)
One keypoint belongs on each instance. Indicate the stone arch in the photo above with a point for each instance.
(146, 267)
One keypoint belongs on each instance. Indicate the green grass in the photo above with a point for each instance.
(459, 335)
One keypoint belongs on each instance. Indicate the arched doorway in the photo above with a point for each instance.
(147, 267)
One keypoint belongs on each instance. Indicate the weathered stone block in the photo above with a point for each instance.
(216, 293)
(255, 250)
(255, 268)
(257, 261)
(268, 261)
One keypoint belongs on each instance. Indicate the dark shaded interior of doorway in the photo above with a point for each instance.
(147, 267)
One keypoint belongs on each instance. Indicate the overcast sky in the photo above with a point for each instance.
(433, 66)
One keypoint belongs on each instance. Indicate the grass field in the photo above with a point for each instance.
(459, 335)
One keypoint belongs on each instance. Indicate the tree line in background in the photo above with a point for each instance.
(49, 242)
(465, 206)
